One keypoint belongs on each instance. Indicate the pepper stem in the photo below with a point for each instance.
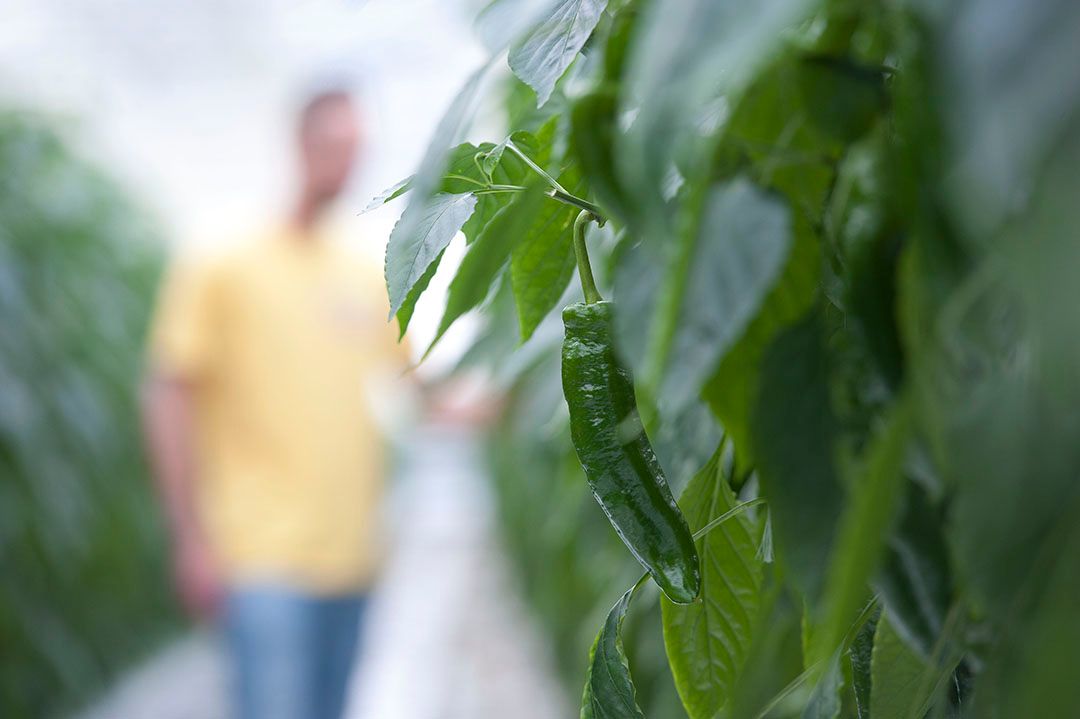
(588, 284)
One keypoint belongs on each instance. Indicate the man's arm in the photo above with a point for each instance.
(169, 426)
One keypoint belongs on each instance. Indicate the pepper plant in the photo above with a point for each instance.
(838, 240)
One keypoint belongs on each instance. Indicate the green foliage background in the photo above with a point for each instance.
(81, 550)
(840, 237)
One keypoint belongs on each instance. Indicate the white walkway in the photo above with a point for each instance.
(447, 636)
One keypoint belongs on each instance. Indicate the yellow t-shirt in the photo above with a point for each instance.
(286, 343)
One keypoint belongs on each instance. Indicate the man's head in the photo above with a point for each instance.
(329, 136)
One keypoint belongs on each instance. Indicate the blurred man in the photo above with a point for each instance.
(265, 451)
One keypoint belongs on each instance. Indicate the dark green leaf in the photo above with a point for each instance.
(609, 690)
(732, 390)
(896, 674)
(542, 58)
(860, 655)
(824, 701)
(707, 641)
(542, 264)
(592, 135)
(420, 236)
(793, 433)
(739, 249)
(914, 580)
(487, 256)
(687, 54)
(864, 526)
(843, 99)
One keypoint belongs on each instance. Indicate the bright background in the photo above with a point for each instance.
(189, 103)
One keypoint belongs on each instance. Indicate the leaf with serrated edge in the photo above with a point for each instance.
(404, 315)
(609, 690)
(412, 247)
(550, 49)
(393, 192)
(417, 239)
(707, 641)
(486, 256)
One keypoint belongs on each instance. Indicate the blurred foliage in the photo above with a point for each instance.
(83, 590)
(845, 231)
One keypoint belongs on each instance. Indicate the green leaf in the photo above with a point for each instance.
(405, 313)
(865, 524)
(487, 256)
(732, 390)
(542, 264)
(793, 434)
(687, 54)
(421, 234)
(398, 189)
(734, 259)
(508, 170)
(914, 580)
(431, 219)
(824, 701)
(1033, 670)
(542, 58)
(592, 136)
(860, 655)
(896, 675)
(487, 206)
(609, 690)
(493, 156)
(707, 641)
(1007, 102)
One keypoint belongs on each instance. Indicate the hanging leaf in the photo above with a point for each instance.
(393, 192)
(542, 264)
(420, 236)
(794, 435)
(733, 388)
(405, 313)
(731, 263)
(609, 690)
(896, 675)
(487, 256)
(542, 58)
(865, 524)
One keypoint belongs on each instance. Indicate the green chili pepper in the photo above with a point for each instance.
(619, 462)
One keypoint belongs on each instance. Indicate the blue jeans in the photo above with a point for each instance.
(291, 652)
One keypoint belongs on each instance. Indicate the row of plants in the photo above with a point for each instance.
(82, 550)
(836, 238)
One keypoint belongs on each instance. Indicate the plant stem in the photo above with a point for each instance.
(569, 199)
(728, 515)
(564, 197)
(535, 168)
(588, 284)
